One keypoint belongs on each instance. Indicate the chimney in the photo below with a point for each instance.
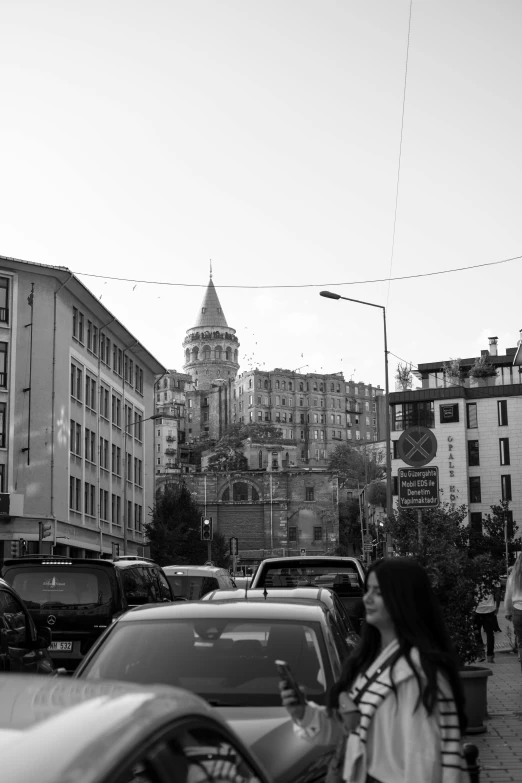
(493, 346)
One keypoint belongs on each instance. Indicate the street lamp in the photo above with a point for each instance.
(125, 432)
(330, 295)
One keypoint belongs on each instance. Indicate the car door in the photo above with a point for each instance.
(19, 650)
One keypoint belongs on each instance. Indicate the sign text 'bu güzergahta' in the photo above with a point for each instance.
(418, 487)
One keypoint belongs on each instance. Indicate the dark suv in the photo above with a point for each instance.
(77, 598)
(23, 648)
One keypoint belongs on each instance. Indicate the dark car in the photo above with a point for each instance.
(23, 648)
(323, 595)
(78, 598)
(225, 651)
(344, 575)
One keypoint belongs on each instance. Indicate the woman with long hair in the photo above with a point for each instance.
(397, 710)
(513, 602)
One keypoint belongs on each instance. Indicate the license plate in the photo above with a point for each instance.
(61, 646)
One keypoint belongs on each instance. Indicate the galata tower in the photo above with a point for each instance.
(211, 346)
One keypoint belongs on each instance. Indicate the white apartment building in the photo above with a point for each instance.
(478, 426)
(76, 393)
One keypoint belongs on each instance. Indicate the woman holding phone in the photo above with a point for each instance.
(397, 711)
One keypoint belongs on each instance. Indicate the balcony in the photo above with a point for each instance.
(170, 438)
(170, 452)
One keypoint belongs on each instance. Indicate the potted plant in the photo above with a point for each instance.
(403, 376)
(453, 375)
(481, 371)
(440, 542)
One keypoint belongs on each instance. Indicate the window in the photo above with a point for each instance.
(104, 454)
(116, 509)
(90, 392)
(116, 410)
(137, 517)
(3, 408)
(412, 414)
(471, 414)
(116, 459)
(292, 534)
(502, 412)
(318, 533)
(505, 482)
(90, 445)
(75, 322)
(76, 382)
(240, 491)
(89, 336)
(138, 426)
(476, 521)
(89, 499)
(473, 453)
(504, 451)
(474, 490)
(104, 504)
(309, 493)
(80, 327)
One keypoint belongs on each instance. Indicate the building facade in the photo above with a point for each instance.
(477, 423)
(271, 512)
(76, 389)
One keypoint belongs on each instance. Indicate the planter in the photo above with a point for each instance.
(475, 684)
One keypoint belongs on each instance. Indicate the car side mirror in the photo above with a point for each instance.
(45, 637)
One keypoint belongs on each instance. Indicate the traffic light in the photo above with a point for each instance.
(15, 549)
(23, 547)
(115, 550)
(207, 532)
(46, 530)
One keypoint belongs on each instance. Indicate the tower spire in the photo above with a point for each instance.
(211, 269)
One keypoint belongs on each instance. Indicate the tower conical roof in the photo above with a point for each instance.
(210, 312)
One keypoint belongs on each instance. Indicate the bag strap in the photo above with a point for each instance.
(384, 665)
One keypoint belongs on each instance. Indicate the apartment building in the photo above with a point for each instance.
(317, 412)
(477, 422)
(171, 390)
(76, 394)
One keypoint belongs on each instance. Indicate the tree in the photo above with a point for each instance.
(354, 465)
(376, 494)
(459, 581)
(228, 454)
(174, 532)
(349, 528)
(491, 539)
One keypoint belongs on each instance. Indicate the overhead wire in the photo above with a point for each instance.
(400, 153)
(304, 285)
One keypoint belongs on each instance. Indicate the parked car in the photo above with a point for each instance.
(55, 730)
(23, 647)
(225, 652)
(323, 595)
(193, 582)
(344, 575)
(77, 598)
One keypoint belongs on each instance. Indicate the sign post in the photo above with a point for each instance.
(418, 486)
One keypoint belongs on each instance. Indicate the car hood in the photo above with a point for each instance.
(269, 733)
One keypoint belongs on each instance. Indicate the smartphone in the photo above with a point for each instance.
(285, 674)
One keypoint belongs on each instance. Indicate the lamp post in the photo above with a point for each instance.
(330, 295)
(125, 432)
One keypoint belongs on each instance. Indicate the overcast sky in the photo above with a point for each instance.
(141, 139)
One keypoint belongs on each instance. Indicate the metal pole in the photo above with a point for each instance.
(506, 540)
(125, 535)
(361, 519)
(389, 503)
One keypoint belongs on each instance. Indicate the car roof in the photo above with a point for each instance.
(190, 570)
(240, 609)
(322, 594)
(35, 710)
(334, 559)
(32, 560)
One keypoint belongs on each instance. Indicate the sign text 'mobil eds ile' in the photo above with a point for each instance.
(418, 487)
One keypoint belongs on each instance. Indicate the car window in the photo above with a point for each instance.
(13, 622)
(206, 755)
(229, 661)
(61, 586)
(136, 586)
(344, 579)
(339, 649)
(163, 584)
(192, 587)
(151, 577)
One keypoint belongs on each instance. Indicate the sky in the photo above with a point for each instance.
(139, 140)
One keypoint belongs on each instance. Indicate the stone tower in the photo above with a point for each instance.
(211, 346)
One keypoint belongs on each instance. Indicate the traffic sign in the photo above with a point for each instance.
(417, 446)
(303, 552)
(367, 538)
(418, 487)
(234, 545)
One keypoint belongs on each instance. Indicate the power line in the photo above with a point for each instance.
(304, 285)
(400, 151)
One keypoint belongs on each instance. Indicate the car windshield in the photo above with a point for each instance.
(227, 661)
(342, 578)
(61, 587)
(191, 587)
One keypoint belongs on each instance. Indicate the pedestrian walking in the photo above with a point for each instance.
(396, 713)
(513, 602)
(485, 617)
